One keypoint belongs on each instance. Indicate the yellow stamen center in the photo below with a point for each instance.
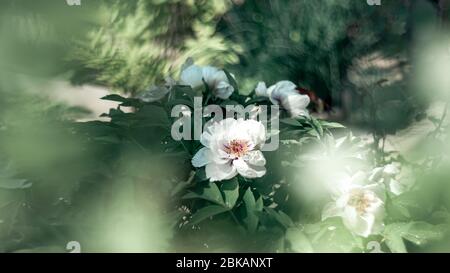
(360, 200)
(237, 148)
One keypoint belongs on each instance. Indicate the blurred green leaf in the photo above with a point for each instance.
(418, 233)
(209, 192)
(230, 190)
(250, 218)
(206, 212)
(298, 241)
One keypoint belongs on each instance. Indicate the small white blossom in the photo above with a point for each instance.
(215, 78)
(231, 148)
(154, 93)
(285, 94)
(396, 179)
(360, 206)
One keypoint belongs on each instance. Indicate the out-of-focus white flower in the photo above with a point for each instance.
(360, 206)
(285, 94)
(215, 78)
(388, 176)
(154, 93)
(231, 148)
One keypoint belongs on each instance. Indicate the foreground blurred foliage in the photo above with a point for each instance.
(125, 185)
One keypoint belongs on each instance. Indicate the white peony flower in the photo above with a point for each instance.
(215, 78)
(231, 148)
(361, 207)
(285, 94)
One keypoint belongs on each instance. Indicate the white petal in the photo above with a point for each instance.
(281, 89)
(295, 104)
(247, 170)
(391, 169)
(377, 207)
(359, 178)
(261, 90)
(223, 90)
(192, 76)
(255, 130)
(214, 132)
(376, 175)
(331, 210)
(205, 139)
(210, 75)
(357, 224)
(218, 172)
(201, 158)
(255, 158)
(377, 191)
(220, 76)
(396, 187)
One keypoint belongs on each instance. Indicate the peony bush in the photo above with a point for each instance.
(321, 190)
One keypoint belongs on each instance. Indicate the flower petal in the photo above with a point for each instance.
(261, 89)
(254, 131)
(331, 210)
(362, 225)
(223, 90)
(279, 90)
(192, 76)
(247, 170)
(214, 133)
(218, 172)
(210, 75)
(295, 104)
(201, 158)
(255, 158)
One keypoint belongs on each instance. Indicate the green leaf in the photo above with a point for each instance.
(232, 81)
(182, 92)
(298, 241)
(259, 206)
(332, 236)
(209, 192)
(421, 233)
(250, 218)
(206, 212)
(393, 237)
(200, 175)
(281, 217)
(331, 125)
(114, 97)
(14, 184)
(313, 132)
(418, 233)
(317, 126)
(291, 121)
(230, 190)
(108, 139)
(8, 180)
(153, 116)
